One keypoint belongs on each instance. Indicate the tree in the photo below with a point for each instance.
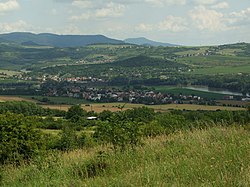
(19, 139)
(119, 131)
(75, 113)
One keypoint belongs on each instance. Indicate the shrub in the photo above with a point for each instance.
(68, 139)
(152, 129)
(119, 131)
(75, 113)
(18, 139)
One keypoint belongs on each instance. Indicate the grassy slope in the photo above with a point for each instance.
(215, 157)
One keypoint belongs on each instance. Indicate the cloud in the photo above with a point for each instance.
(206, 19)
(15, 26)
(83, 4)
(111, 10)
(174, 24)
(242, 14)
(166, 2)
(241, 18)
(9, 6)
(171, 23)
(82, 17)
(204, 2)
(221, 5)
(144, 27)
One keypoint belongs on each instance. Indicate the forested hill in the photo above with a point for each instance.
(58, 40)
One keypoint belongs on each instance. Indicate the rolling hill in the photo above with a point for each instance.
(58, 40)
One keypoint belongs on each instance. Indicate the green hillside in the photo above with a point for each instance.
(140, 61)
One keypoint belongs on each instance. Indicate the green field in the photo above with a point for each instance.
(192, 52)
(215, 60)
(57, 100)
(8, 73)
(185, 91)
(222, 70)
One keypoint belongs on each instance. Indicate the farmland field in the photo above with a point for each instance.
(161, 108)
(99, 107)
(14, 98)
(8, 73)
(57, 100)
(222, 70)
(185, 91)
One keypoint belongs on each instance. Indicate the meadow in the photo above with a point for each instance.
(219, 156)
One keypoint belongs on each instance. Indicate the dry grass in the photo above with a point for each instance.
(161, 108)
(58, 107)
(14, 98)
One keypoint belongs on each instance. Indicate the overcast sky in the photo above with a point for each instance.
(186, 22)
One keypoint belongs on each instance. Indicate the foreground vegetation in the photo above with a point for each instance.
(217, 156)
(135, 147)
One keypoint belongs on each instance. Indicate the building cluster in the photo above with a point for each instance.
(117, 95)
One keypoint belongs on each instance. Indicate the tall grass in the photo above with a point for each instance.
(217, 156)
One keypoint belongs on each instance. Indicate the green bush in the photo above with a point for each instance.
(119, 131)
(152, 129)
(75, 113)
(19, 139)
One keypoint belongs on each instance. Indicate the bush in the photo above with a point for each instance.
(152, 129)
(75, 113)
(69, 140)
(19, 139)
(119, 131)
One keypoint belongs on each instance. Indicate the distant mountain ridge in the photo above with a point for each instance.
(57, 40)
(145, 41)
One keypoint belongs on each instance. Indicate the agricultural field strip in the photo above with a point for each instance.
(115, 106)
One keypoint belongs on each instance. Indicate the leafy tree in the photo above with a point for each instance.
(68, 139)
(105, 115)
(18, 139)
(119, 131)
(75, 113)
(142, 114)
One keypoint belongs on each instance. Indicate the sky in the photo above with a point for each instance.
(184, 22)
